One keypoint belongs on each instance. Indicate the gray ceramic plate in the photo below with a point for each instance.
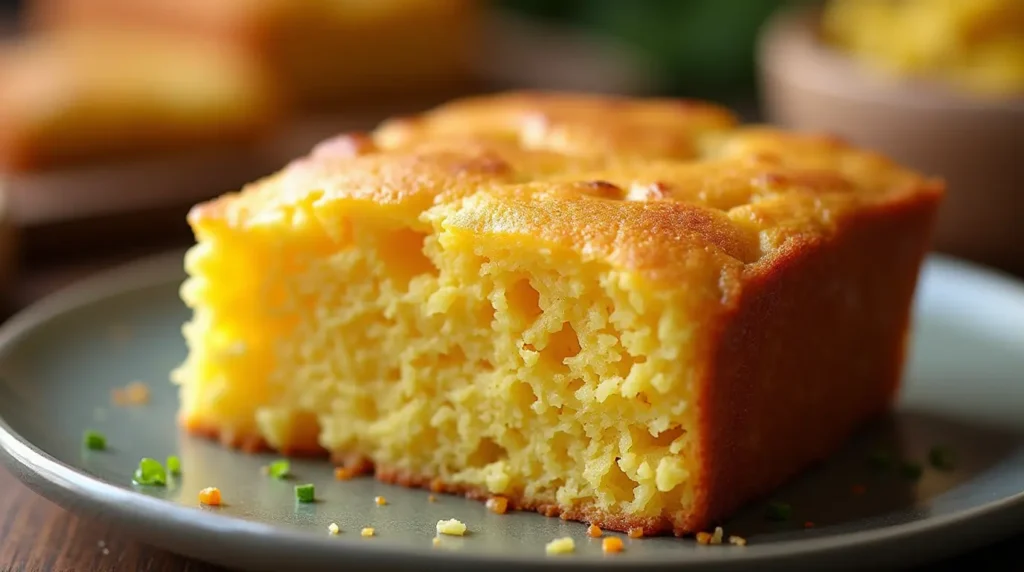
(60, 360)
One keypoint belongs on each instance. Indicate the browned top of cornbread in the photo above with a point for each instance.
(653, 186)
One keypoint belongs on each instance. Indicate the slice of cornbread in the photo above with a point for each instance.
(629, 312)
(70, 97)
(321, 52)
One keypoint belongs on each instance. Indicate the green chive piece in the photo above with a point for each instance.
(95, 441)
(778, 511)
(150, 473)
(911, 471)
(174, 465)
(279, 469)
(880, 460)
(942, 458)
(305, 493)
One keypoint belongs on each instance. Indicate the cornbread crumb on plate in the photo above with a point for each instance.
(715, 537)
(333, 529)
(594, 531)
(497, 505)
(451, 527)
(133, 394)
(380, 501)
(612, 544)
(367, 532)
(737, 540)
(564, 545)
(635, 532)
(436, 541)
(210, 496)
(568, 296)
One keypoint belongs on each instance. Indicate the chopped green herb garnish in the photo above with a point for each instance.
(778, 511)
(305, 493)
(279, 469)
(150, 473)
(174, 465)
(911, 471)
(942, 458)
(95, 441)
(880, 460)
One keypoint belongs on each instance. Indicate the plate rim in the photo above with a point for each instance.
(62, 483)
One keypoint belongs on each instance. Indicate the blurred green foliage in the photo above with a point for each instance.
(701, 48)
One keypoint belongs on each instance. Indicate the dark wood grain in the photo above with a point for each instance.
(36, 535)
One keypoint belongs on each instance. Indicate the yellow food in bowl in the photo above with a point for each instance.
(629, 312)
(977, 45)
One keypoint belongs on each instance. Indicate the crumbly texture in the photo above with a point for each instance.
(451, 527)
(564, 545)
(391, 46)
(70, 97)
(628, 312)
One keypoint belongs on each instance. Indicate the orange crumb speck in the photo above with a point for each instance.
(432, 498)
(611, 544)
(858, 489)
(497, 505)
(594, 531)
(210, 496)
(381, 501)
(436, 486)
(135, 393)
(703, 538)
(635, 532)
(343, 473)
(437, 541)
(808, 524)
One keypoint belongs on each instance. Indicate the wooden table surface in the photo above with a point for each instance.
(38, 536)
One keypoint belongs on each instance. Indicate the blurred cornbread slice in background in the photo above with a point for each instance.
(85, 95)
(977, 45)
(321, 52)
(630, 312)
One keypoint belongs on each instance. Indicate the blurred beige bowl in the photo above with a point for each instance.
(976, 144)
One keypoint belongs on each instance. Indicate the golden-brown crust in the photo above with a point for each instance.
(783, 327)
(248, 442)
(253, 443)
(674, 184)
(589, 514)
